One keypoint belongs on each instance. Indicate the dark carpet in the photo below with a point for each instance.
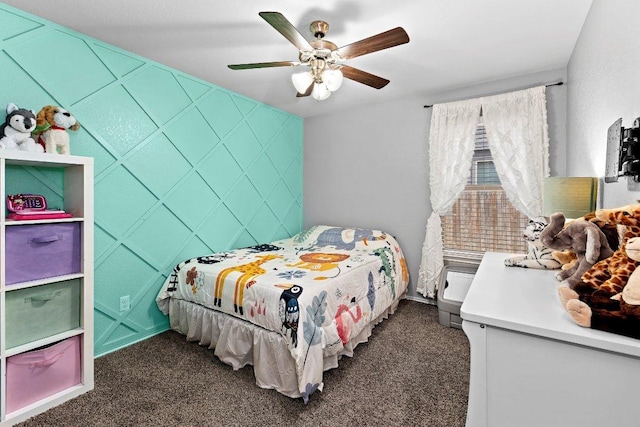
(413, 371)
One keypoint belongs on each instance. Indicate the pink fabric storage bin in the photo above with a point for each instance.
(41, 250)
(41, 373)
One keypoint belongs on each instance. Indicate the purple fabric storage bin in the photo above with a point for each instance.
(37, 374)
(42, 250)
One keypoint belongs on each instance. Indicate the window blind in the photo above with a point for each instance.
(483, 219)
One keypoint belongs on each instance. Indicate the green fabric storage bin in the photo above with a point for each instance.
(41, 311)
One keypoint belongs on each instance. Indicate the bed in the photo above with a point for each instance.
(291, 308)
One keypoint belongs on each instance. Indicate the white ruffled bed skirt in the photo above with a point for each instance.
(238, 343)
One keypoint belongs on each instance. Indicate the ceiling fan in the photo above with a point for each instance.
(326, 61)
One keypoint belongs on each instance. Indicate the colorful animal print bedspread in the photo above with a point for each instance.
(317, 289)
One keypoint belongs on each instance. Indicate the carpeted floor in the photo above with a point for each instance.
(413, 371)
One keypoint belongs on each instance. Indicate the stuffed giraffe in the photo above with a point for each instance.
(630, 296)
(607, 277)
(595, 301)
(622, 316)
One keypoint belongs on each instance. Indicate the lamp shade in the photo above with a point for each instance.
(302, 81)
(320, 92)
(573, 196)
(333, 79)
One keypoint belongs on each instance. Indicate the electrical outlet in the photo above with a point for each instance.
(125, 304)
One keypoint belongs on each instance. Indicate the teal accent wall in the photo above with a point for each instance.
(182, 167)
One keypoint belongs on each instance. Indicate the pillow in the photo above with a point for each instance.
(347, 238)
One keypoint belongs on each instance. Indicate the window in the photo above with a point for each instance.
(483, 219)
(485, 173)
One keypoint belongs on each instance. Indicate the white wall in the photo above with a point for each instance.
(604, 85)
(368, 167)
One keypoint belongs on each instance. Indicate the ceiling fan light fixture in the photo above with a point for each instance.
(332, 78)
(320, 92)
(321, 56)
(302, 81)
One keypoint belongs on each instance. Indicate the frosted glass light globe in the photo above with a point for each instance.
(320, 92)
(302, 81)
(333, 79)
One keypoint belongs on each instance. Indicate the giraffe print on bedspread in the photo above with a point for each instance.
(248, 272)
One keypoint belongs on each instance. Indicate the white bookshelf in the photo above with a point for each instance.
(78, 200)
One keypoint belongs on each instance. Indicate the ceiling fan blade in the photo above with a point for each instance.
(375, 43)
(363, 77)
(306, 92)
(284, 27)
(263, 65)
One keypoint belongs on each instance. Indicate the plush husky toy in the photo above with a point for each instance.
(53, 123)
(15, 133)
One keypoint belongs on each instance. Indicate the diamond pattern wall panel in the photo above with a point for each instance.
(13, 25)
(69, 78)
(192, 200)
(182, 167)
(118, 63)
(192, 136)
(158, 164)
(160, 104)
(220, 170)
(117, 119)
(221, 111)
(243, 145)
(263, 175)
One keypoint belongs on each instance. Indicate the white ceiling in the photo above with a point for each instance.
(453, 43)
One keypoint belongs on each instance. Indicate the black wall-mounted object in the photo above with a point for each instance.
(623, 151)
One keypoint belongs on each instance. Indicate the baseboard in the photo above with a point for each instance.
(422, 300)
(152, 333)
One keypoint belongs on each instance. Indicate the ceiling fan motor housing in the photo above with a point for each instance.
(319, 29)
(321, 48)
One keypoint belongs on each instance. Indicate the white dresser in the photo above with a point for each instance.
(532, 366)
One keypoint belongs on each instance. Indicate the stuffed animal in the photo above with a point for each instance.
(52, 126)
(538, 255)
(629, 298)
(621, 313)
(609, 276)
(566, 258)
(15, 133)
(582, 237)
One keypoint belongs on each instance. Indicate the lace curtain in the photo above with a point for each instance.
(517, 131)
(516, 126)
(451, 143)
